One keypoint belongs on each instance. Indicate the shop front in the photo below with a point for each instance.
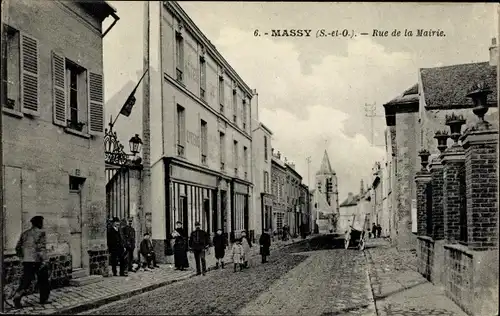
(240, 217)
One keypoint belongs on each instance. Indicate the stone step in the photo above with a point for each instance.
(79, 273)
(86, 280)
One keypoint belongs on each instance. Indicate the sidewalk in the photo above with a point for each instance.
(398, 289)
(73, 300)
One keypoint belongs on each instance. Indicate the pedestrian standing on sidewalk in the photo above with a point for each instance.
(181, 261)
(237, 253)
(374, 231)
(247, 244)
(199, 243)
(32, 251)
(129, 239)
(116, 248)
(379, 230)
(220, 244)
(265, 244)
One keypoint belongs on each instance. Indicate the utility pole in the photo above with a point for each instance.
(146, 148)
(371, 113)
(3, 96)
(308, 159)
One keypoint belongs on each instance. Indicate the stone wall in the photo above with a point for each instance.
(99, 262)
(425, 256)
(459, 272)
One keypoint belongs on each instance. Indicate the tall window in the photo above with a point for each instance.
(235, 106)
(265, 148)
(203, 77)
(221, 93)
(10, 69)
(76, 95)
(204, 142)
(222, 150)
(266, 182)
(235, 157)
(181, 130)
(245, 161)
(179, 56)
(244, 112)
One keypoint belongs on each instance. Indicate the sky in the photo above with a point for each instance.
(313, 91)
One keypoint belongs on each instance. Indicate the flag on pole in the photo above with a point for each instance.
(129, 103)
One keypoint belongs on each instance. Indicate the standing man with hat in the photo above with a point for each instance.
(32, 251)
(116, 247)
(198, 243)
(129, 239)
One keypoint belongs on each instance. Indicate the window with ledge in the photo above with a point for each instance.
(203, 77)
(11, 70)
(245, 161)
(244, 114)
(235, 157)
(181, 130)
(265, 148)
(204, 141)
(221, 93)
(179, 56)
(222, 150)
(266, 182)
(76, 96)
(235, 106)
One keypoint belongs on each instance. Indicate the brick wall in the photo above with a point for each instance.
(452, 201)
(459, 274)
(425, 256)
(437, 201)
(99, 262)
(422, 181)
(481, 193)
(59, 272)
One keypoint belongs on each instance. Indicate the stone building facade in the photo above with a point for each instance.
(305, 206)
(294, 203)
(201, 142)
(53, 126)
(261, 164)
(457, 190)
(278, 191)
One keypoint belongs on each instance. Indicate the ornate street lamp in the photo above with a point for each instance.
(135, 144)
(479, 95)
(424, 158)
(442, 137)
(455, 123)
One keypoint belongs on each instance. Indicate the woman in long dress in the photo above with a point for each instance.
(180, 248)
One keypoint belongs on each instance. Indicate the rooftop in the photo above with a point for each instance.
(410, 95)
(99, 8)
(446, 87)
(351, 200)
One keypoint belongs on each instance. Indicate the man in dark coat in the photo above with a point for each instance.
(374, 231)
(116, 248)
(32, 251)
(265, 244)
(379, 230)
(129, 239)
(220, 244)
(199, 243)
(180, 247)
(147, 252)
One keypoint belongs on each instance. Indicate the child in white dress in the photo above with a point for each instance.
(238, 255)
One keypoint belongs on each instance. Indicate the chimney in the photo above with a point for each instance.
(494, 52)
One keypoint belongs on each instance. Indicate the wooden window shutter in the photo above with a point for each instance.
(96, 103)
(59, 89)
(29, 75)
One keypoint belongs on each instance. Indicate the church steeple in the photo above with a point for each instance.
(326, 167)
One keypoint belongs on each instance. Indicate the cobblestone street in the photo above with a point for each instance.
(322, 282)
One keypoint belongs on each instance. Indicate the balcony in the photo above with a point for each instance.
(203, 159)
(180, 150)
(179, 75)
(222, 166)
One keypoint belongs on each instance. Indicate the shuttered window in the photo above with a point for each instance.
(11, 70)
(29, 75)
(96, 103)
(59, 89)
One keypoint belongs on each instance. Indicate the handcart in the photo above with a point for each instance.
(354, 238)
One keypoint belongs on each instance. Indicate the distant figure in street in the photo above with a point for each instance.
(265, 244)
(180, 247)
(198, 243)
(147, 252)
(285, 232)
(379, 230)
(116, 247)
(220, 244)
(238, 255)
(374, 231)
(247, 244)
(32, 251)
(129, 239)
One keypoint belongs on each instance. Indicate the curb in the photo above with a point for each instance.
(118, 297)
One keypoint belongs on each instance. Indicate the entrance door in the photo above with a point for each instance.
(75, 220)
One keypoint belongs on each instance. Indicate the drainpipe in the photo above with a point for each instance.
(2, 95)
